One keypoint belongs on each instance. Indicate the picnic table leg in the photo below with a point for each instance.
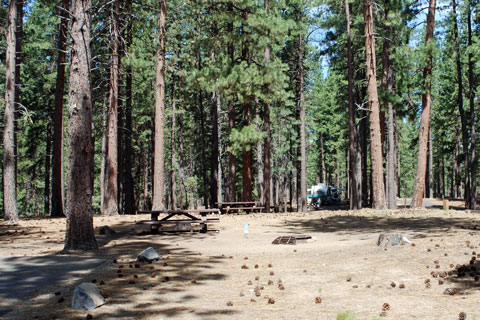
(204, 223)
(154, 227)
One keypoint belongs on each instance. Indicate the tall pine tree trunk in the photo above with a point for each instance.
(130, 206)
(463, 119)
(267, 167)
(57, 156)
(231, 118)
(302, 203)
(419, 183)
(387, 88)
(159, 150)
(9, 180)
(214, 161)
(378, 191)
(471, 98)
(111, 164)
(354, 180)
(79, 233)
(173, 186)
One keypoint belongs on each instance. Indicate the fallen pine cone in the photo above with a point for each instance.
(271, 301)
(386, 307)
(318, 300)
(450, 291)
(462, 316)
(230, 303)
(244, 267)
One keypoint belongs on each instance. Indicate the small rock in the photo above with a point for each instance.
(61, 300)
(58, 293)
(349, 279)
(89, 316)
(148, 255)
(86, 296)
(391, 239)
(272, 273)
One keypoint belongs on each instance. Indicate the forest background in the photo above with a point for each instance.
(257, 100)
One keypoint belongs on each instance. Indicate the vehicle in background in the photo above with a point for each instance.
(322, 194)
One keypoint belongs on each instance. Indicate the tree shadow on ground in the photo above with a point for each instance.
(350, 224)
(115, 270)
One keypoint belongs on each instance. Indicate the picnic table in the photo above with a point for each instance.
(236, 206)
(188, 218)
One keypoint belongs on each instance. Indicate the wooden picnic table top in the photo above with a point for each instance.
(180, 211)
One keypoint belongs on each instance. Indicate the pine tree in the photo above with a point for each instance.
(80, 234)
(9, 179)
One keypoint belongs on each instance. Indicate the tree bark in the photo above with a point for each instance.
(419, 183)
(48, 161)
(80, 234)
(471, 98)
(130, 207)
(353, 157)
(9, 184)
(458, 174)
(387, 87)
(378, 194)
(302, 203)
(267, 167)
(111, 164)
(173, 186)
(159, 156)
(463, 118)
(214, 161)
(57, 156)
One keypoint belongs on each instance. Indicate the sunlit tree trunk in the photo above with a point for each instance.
(419, 183)
(79, 233)
(159, 149)
(378, 191)
(9, 184)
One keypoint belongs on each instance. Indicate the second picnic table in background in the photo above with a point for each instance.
(236, 206)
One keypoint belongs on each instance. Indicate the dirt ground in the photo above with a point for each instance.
(215, 275)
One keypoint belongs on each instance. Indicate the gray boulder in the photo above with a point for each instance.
(148, 255)
(87, 297)
(391, 239)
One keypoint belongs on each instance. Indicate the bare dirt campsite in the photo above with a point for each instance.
(228, 274)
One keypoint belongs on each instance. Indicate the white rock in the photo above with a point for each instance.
(148, 255)
(87, 297)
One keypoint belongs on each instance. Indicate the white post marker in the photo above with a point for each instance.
(245, 230)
